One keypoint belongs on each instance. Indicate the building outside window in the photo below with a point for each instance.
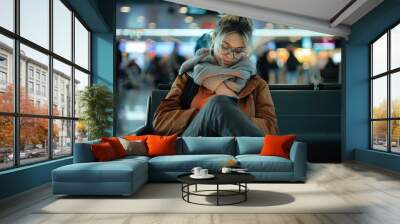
(30, 87)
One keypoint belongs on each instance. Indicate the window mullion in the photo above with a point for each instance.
(16, 84)
(389, 94)
(50, 81)
(73, 82)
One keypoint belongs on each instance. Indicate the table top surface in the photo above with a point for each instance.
(220, 178)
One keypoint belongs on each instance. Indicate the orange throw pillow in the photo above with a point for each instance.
(116, 145)
(135, 137)
(161, 145)
(275, 145)
(103, 151)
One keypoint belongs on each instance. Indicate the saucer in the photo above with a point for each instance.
(208, 176)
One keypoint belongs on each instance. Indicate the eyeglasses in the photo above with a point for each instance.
(236, 53)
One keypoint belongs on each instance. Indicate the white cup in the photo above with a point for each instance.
(196, 170)
(226, 170)
(203, 172)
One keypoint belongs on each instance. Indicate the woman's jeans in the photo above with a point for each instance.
(221, 116)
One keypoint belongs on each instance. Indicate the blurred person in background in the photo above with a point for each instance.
(292, 66)
(267, 66)
(157, 70)
(330, 72)
(174, 63)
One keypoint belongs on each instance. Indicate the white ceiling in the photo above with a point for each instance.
(314, 15)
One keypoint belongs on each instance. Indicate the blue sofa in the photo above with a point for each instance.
(125, 176)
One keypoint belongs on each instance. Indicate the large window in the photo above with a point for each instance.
(385, 91)
(40, 80)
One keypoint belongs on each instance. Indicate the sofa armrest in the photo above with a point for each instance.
(83, 152)
(298, 155)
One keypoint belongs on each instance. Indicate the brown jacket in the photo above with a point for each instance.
(254, 100)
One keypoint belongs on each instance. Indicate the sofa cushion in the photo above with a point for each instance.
(185, 163)
(257, 163)
(159, 145)
(116, 145)
(206, 145)
(103, 152)
(249, 145)
(112, 171)
(135, 147)
(277, 145)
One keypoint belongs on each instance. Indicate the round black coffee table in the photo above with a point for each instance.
(238, 179)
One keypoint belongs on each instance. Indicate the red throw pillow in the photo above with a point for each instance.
(136, 137)
(161, 145)
(103, 151)
(116, 145)
(275, 145)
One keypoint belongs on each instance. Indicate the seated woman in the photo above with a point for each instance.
(216, 92)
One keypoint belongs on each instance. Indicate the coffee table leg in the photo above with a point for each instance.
(196, 188)
(188, 189)
(217, 194)
(245, 193)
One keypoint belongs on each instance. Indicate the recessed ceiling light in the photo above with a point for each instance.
(152, 25)
(194, 25)
(125, 9)
(188, 19)
(140, 19)
(183, 10)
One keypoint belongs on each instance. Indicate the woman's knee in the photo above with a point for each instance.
(219, 106)
(218, 100)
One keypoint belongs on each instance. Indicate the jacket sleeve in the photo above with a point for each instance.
(265, 117)
(169, 117)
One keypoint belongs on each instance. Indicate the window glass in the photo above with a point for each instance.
(30, 58)
(81, 45)
(395, 95)
(62, 29)
(34, 21)
(6, 74)
(62, 137)
(379, 56)
(395, 136)
(81, 131)
(379, 100)
(81, 81)
(7, 14)
(395, 47)
(379, 135)
(6, 142)
(62, 91)
(33, 140)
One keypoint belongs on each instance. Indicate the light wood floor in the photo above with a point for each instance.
(353, 182)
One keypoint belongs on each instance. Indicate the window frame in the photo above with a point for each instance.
(16, 114)
(388, 74)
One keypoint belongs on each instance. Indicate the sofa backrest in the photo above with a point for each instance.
(206, 145)
(249, 145)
